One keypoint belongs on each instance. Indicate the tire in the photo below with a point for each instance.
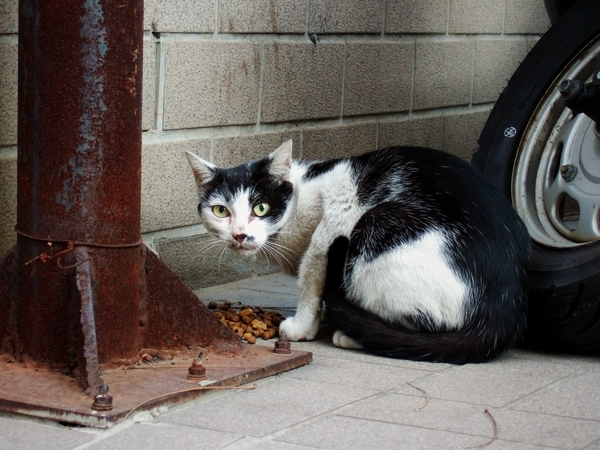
(527, 138)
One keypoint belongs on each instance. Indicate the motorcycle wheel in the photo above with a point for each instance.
(529, 137)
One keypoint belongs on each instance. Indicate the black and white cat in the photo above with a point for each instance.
(415, 254)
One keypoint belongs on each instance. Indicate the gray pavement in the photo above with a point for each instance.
(351, 400)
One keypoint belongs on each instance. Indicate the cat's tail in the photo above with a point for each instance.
(473, 344)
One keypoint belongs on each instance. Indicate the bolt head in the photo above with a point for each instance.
(568, 172)
(103, 401)
(569, 89)
(282, 346)
(196, 370)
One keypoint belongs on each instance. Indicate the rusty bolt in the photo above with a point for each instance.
(103, 401)
(197, 371)
(282, 346)
(568, 172)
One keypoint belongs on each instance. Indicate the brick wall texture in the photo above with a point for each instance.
(231, 79)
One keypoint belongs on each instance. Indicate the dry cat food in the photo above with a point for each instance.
(248, 322)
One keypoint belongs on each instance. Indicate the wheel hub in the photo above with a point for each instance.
(556, 174)
(572, 194)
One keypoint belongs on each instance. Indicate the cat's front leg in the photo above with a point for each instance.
(340, 213)
(311, 279)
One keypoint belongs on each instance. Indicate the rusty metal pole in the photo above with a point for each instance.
(79, 162)
(80, 292)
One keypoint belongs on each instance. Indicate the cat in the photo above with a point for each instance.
(415, 254)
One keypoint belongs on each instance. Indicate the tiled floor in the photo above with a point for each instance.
(351, 400)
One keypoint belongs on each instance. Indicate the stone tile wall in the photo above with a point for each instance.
(231, 79)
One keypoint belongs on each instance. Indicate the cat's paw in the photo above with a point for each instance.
(343, 341)
(295, 329)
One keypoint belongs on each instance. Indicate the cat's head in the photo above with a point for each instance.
(245, 205)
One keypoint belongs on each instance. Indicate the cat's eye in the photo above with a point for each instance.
(261, 209)
(220, 211)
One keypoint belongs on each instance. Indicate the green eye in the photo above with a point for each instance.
(261, 209)
(220, 211)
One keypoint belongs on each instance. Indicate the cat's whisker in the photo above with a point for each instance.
(265, 256)
(225, 248)
(205, 250)
(289, 233)
(276, 251)
(269, 253)
(279, 246)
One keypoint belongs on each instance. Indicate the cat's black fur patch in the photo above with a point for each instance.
(255, 178)
(443, 192)
(319, 168)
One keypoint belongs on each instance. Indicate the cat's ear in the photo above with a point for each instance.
(203, 170)
(281, 161)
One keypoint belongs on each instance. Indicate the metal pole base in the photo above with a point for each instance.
(139, 387)
(172, 329)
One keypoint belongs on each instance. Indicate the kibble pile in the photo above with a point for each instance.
(248, 322)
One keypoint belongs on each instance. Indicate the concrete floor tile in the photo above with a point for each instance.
(354, 373)
(515, 426)
(436, 414)
(323, 346)
(252, 443)
(18, 434)
(576, 397)
(349, 433)
(545, 429)
(594, 446)
(275, 404)
(584, 362)
(164, 436)
(496, 383)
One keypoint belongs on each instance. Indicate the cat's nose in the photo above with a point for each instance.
(240, 237)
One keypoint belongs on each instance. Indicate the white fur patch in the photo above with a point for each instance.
(343, 341)
(239, 222)
(328, 207)
(410, 278)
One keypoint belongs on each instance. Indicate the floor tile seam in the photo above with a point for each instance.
(431, 397)
(319, 417)
(103, 434)
(457, 433)
(558, 360)
(451, 400)
(191, 427)
(493, 407)
(273, 435)
(499, 426)
(541, 390)
(154, 423)
(558, 416)
(253, 441)
(594, 444)
(429, 372)
(390, 390)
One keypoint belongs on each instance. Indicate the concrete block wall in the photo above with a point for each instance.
(231, 79)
